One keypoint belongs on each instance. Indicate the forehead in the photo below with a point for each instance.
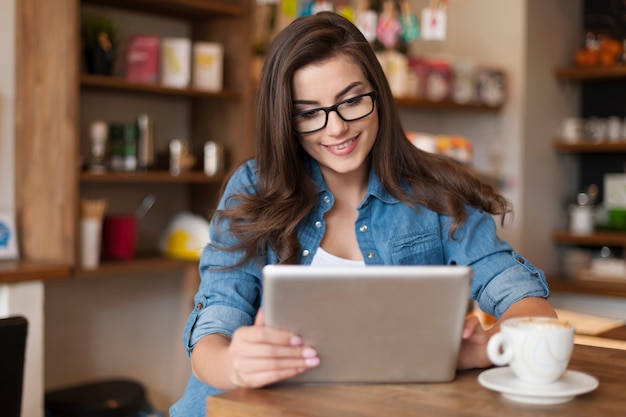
(322, 81)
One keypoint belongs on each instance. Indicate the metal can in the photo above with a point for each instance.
(213, 158)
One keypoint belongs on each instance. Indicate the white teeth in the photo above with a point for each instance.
(342, 145)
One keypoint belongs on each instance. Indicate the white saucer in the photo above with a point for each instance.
(503, 380)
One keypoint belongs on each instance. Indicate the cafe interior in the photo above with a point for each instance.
(120, 119)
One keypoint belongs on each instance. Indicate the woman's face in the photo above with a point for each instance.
(340, 147)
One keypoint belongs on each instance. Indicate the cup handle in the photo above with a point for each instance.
(499, 350)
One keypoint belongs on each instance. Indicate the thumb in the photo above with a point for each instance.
(258, 320)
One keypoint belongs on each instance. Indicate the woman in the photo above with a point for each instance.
(336, 181)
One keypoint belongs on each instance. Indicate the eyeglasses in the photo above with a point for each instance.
(348, 110)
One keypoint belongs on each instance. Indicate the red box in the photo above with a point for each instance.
(142, 59)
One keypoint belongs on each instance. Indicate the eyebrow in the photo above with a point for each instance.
(339, 94)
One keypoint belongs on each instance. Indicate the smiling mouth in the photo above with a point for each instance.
(341, 146)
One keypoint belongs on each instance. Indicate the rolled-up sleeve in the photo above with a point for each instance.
(501, 276)
(227, 298)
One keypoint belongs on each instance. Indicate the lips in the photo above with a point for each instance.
(343, 147)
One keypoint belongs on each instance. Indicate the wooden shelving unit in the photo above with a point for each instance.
(24, 270)
(589, 146)
(211, 116)
(598, 238)
(443, 105)
(141, 263)
(591, 73)
(117, 84)
(155, 177)
(51, 104)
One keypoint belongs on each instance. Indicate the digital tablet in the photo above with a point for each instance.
(372, 324)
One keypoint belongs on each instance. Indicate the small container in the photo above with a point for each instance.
(145, 146)
(213, 158)
(131, 134)
(99, 131)
(581, 219)
(119, 235)
(175, 62)
(116, 141)
(208, 60)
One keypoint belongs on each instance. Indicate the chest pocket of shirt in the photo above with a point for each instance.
(419, 248)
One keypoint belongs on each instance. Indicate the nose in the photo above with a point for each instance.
(336, 125)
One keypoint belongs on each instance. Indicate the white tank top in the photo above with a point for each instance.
(323, 258)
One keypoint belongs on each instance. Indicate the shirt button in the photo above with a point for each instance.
(326, 199)
(520, 260)
(318, 224)
(371, 255)
(306, 252)
(363, 228)
(199, 306)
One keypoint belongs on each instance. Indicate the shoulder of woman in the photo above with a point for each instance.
(243, 177)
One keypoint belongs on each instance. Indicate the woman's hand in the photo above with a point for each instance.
(473, 353)
(261, 355)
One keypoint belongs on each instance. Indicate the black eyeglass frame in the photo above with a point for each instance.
(327, 110)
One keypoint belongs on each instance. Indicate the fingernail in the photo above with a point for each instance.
(312, 361)
(295, 341)
(309, 353)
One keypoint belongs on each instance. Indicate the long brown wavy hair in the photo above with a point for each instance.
(286, 192)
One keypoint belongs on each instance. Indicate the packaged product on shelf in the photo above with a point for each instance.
(131, 135)
(491, 86)
(395, 66)
(99, 131)
(418, 69)
(208, 60)
(464, 83)
(456, 147)
(145, 143)
(116, 140)
(142, 59)
(438, 83)
(175, 62)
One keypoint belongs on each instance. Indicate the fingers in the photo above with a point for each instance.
(471, 323)
(258, 320)
(263, 378)
(262, 355)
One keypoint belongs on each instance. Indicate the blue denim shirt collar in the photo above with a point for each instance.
(374, 187)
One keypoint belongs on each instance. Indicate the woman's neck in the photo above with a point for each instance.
(347, 188)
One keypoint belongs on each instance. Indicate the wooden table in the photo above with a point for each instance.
(462, 397)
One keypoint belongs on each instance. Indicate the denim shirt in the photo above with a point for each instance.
(388, 232)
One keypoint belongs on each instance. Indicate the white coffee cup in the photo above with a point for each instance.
(537, 349)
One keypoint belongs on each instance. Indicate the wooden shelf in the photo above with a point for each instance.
(598, 238)
(118, 84)
(442, 105)
(592, 73)
(189, 9)
(558, 284)
(139, 264)
(150, 177)
(18, 271)
(589, 146)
